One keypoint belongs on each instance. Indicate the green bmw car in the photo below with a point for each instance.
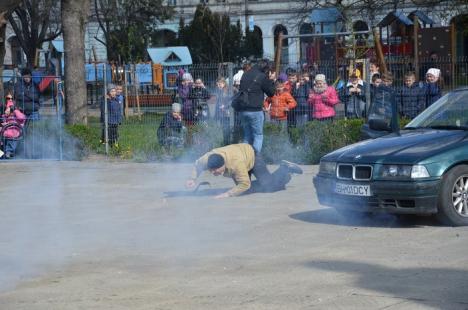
(421, 169)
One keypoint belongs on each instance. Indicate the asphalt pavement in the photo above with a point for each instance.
(117, 235)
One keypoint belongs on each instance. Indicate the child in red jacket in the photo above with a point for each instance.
(279, 105)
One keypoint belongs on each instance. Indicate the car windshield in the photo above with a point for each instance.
(449, 112)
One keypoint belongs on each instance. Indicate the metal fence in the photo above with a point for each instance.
(143, 106)
(32, 122)
(454, 71)
(144, 109)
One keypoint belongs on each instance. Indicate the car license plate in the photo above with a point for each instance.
(352, 189)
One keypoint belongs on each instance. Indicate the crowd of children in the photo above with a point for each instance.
(299, 98)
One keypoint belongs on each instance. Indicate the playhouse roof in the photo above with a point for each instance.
(398, 16)
(423, 18)
(171, 55)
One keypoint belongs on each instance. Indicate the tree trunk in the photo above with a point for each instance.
(5, 7)
(74, 19)
(2, 50)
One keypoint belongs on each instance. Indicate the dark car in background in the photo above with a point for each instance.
(421, 169)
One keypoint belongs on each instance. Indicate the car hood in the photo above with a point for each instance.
(407, 147)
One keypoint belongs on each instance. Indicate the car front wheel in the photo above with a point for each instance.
(453, 197)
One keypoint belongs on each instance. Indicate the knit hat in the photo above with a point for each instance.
(187, 77)
(215, 161)
(110, 87)
(320, 77)
(176, 107)
(434, 71)
(283, 77)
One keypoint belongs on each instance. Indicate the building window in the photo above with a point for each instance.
(172, 2)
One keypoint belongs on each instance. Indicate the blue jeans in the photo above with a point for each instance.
(252, 125)
(10, 146)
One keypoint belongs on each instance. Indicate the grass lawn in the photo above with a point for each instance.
(138, 139)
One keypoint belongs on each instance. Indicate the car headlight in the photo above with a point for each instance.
(419, 171)
(327, 167)
(403, 172)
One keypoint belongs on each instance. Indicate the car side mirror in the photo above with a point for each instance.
(379, 124)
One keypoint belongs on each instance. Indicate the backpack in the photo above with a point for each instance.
(240, 100)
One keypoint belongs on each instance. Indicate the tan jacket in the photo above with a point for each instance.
(239, 160)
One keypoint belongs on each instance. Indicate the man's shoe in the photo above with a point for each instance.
(292, 167)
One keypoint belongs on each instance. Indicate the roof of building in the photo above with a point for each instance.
(171, 55)
(422, 17)
(58, 45)
(395, 16)
(325, 15)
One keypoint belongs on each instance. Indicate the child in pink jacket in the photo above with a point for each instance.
(322, 99)
(12, 122)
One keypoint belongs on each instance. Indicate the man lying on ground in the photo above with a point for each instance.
(239, 162)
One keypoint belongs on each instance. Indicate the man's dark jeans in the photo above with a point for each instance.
(267, 182)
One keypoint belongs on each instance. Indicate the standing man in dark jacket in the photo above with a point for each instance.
(256, 82)
(27, 95)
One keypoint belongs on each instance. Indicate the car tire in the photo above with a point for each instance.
(453, 197)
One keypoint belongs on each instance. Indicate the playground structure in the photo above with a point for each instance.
(411, 41)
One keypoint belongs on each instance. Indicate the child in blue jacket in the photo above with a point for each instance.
(114, 117)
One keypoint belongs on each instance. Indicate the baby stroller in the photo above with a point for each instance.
(11, 131)
(171, 139)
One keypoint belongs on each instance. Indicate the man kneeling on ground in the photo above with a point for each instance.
(239, 162)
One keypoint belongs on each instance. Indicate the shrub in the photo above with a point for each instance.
(309, 143)
(305, 144)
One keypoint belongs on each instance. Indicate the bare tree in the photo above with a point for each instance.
(74, 20)
(6, 6)
(35, 22)
(127, 25)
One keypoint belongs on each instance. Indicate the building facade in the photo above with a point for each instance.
(293, 18)
(269, 18)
